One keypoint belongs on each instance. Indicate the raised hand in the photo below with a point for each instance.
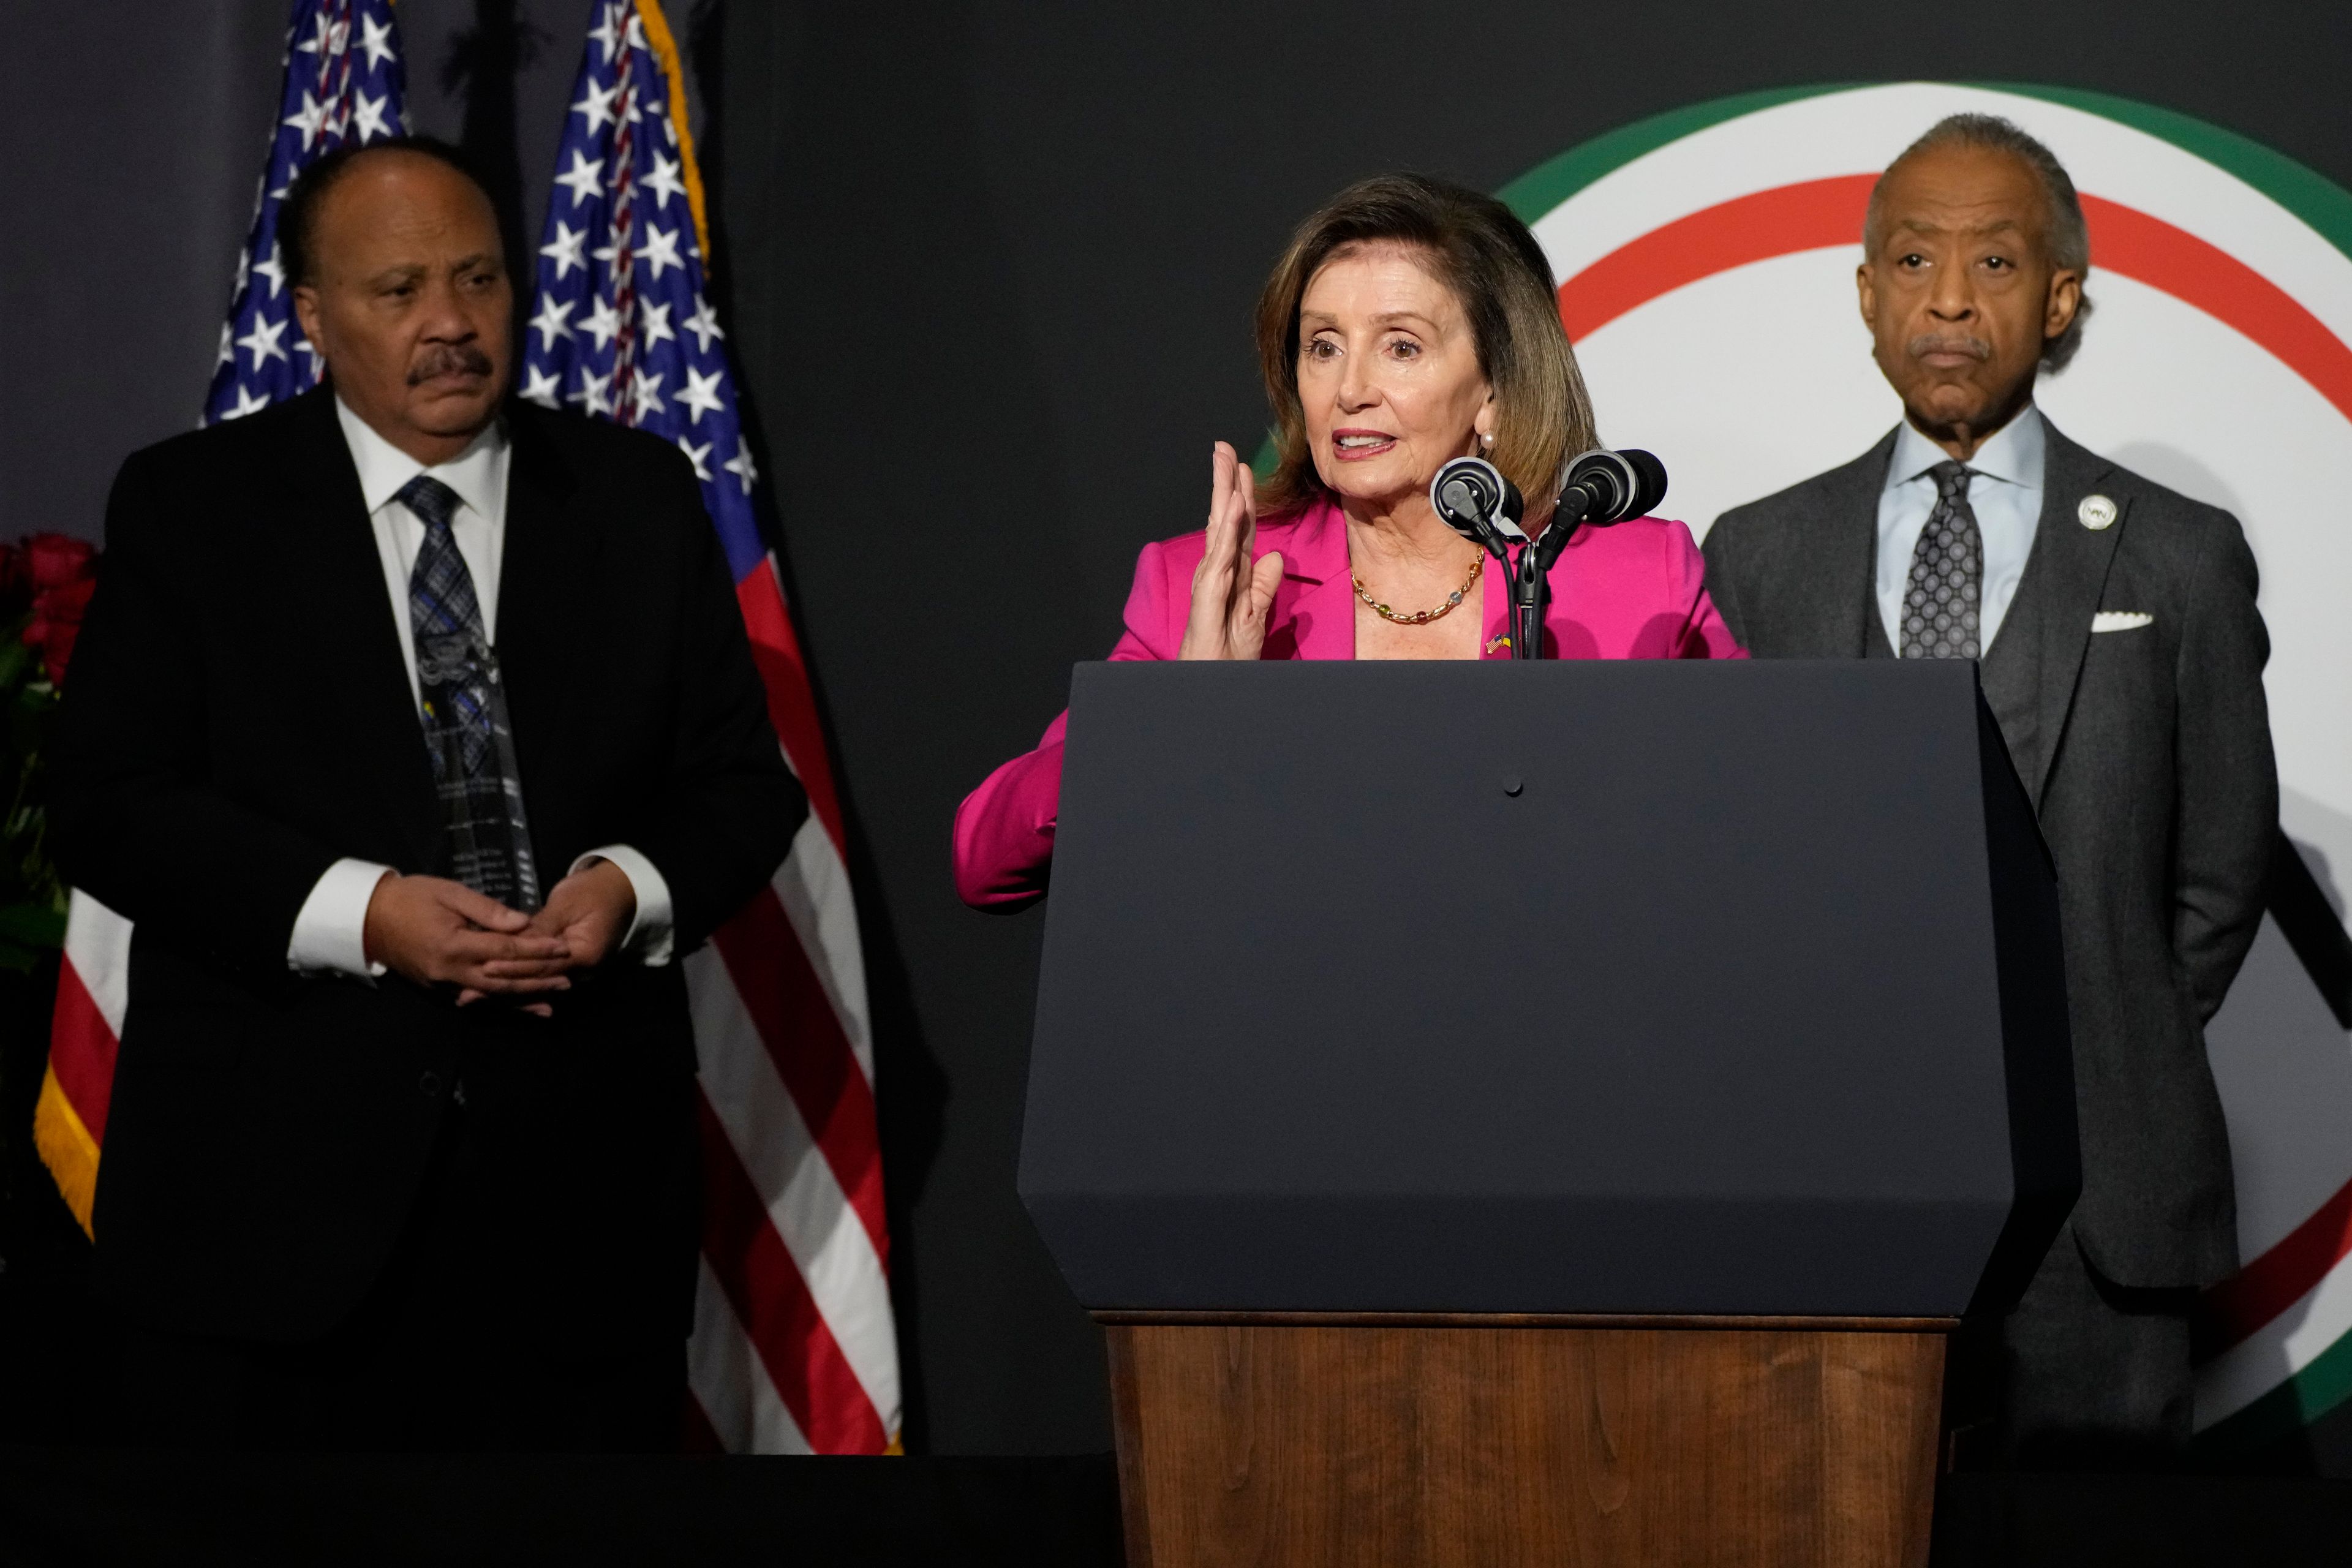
(1232, 597)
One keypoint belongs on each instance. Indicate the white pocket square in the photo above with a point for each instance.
(2121, 620)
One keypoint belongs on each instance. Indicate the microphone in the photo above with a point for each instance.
(1606, 487)
(1478, 503)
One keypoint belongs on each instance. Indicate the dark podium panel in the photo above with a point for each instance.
(1554, 988)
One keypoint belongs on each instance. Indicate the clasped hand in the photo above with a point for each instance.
(438, 932)
(1231, 595)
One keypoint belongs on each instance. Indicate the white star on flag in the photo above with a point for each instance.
(370, 114)
(566, 249)
(606, 35)
(597, 106)
(550, 323)
(261, 342)
(695, 454)
(248, 401)
(592, 398)
(603, 322)
(643, 398)
(308, 120)
(321, 39)
(661, 250)
(274, 269)
(227, 345)
(376, 40)
(583, 181)
(742, 466)
(700, 394)
(655, 319)
(664, 181)
(540, 385)
(703, 323)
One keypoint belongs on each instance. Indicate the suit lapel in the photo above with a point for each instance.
(546, 575)
(338, 579)
(1840, 541)
(2067, 572)
(1315, 607)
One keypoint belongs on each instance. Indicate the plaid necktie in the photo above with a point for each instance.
(1941, 604)
(464, 710)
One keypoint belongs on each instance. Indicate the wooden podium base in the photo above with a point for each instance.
(1299, 1441)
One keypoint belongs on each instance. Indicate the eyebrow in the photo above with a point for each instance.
(1386, 318)
(1998, 225)
(419, 268)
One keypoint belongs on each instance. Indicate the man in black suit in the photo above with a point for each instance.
(416, 729)
(2122, 654)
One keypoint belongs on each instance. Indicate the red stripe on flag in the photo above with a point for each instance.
(792, 703)
(779, 989)
(780, 1317)
(81, 1052)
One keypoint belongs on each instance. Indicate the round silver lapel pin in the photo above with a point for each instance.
(2097, 513)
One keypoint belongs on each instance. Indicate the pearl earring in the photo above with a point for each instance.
(1487, 439)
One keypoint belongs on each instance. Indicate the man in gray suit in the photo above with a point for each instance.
(2121, 652)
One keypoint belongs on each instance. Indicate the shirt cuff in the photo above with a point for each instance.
(330, 931)
(649, 934)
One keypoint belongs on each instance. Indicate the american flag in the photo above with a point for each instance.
(794, 1347)
(344, 82)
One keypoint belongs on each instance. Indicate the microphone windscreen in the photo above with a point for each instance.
(1475, 500)
(1650, 482)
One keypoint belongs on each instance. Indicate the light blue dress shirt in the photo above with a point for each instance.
(2004, 491)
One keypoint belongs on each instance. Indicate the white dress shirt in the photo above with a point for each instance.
(2004, 491)
(329, 931)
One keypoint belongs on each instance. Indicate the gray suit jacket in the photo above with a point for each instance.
(2147, 753)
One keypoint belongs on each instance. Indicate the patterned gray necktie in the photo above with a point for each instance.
(1940, 605)
(463, 706)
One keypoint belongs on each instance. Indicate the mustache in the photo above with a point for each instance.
(1938, 343)
(449, 359)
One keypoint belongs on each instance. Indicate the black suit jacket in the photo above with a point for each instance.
(2147, 753)
(240, 718)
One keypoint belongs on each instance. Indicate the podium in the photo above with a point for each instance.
(1541, 1112)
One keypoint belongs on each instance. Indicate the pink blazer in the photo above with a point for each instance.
(1634, 591)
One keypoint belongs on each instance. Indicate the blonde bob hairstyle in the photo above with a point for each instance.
(1476, 247)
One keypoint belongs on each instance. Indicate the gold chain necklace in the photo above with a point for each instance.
(1422, 617)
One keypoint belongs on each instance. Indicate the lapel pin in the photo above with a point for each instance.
(2097, 513)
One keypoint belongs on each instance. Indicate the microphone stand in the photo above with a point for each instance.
(1531, 582)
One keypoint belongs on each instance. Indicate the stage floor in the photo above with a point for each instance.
(92, 1506)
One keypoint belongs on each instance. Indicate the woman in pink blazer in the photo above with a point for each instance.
(1410, 322)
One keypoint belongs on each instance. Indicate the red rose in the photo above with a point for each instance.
(56, 621)
(57, 559)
